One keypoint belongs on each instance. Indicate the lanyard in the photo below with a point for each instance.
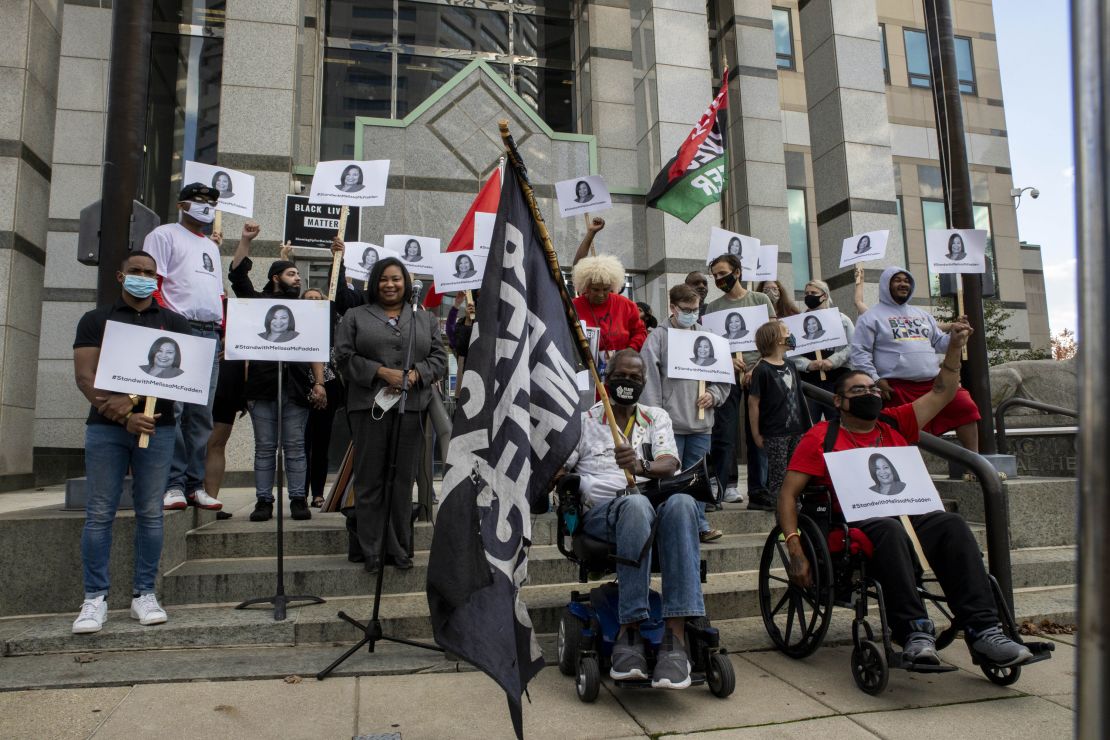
(629, 426)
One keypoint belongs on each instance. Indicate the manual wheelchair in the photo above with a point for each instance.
(797, 619)
(589, 626)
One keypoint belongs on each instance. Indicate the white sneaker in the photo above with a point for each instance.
(175, 499)
(201, 498)
(145, 609)
(94, 613)
(733, 496)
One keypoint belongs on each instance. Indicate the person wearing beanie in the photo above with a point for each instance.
(834, 362)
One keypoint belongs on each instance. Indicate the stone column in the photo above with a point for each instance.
(853, 172)
(29, 93)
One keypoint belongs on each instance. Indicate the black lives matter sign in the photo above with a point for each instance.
(314, 224)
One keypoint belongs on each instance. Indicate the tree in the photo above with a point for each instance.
(1064, 345)
(996, 327)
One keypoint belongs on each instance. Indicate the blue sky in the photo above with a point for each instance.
(1034, 54)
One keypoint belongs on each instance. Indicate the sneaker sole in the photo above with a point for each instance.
(88, 631)
(176, 507)
(635, 673)
(210, 507)
(666, 683)
(149, 621)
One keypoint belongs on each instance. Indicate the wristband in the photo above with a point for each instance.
(792, 534)
(317, 383)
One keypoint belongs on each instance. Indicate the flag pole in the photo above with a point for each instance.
(513, 158)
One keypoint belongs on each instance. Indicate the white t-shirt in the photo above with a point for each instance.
(192, 277)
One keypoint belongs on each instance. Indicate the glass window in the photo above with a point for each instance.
(784, 38)
(366, 21)
(799, 236)
(933, 217)
(917, 57)
(208, 13)
(965, 66)
(550, 92)
(447, 27)
(419, 77)
(541, 36)
(356, 83)
(882, 47)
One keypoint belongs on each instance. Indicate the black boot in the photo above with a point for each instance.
(298, 509)
(354, 549)
(263, 511)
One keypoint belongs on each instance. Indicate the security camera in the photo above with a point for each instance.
(298, 187)
(1034, 193)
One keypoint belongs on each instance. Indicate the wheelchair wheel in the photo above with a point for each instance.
(720, 675)
(568, 643)
(798, 618)
(869, 667)
(588, 680)
(999, 675)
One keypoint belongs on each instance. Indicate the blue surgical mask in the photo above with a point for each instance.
(139, 286)
(791, 341)
(686, 319)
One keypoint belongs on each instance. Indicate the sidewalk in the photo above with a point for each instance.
(776, 697)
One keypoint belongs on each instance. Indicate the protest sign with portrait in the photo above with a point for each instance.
(236, 188)
(952, 251)
(453, 271)
(766, 264)
(415, 251)
(882, 481)
(587, 194)
(698, 355)
(729, 242)
(815, 330)
(152, 362)
(737, 325)
(863, 247)
(359, 258)
(289, 330)
(483, 229)
(347, 183)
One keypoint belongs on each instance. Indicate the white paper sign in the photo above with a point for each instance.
(483, 229)
(698, 355)
(267, 329)
(766, 264)
(417, 252)
(737, 325)
(863, 247)
(455, 271)
(152, 362)
(882, 481)
(593, 338)
(587, 194)
(236, 188)
(815, 330)
(343, 182)
(359, 258)
(729, 242)
(956, 250)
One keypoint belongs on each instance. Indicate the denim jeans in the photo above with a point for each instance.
(109, 451)
(626, 521)
(194, 427)
(691, 449)
(265, 422)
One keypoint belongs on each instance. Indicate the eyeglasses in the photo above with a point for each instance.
(863, 390)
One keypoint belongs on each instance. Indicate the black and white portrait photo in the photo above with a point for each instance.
(369, 259)
(812, 328)
(221, 181)
(207, 261)
(703, 352)
(464, 267)
(163, 359)
(280, 326)
(351, 179)
(735, 328)
(582, 192)
(956, 250)
(735, 246)
(885, 476)
(864, 244)
(412, 252)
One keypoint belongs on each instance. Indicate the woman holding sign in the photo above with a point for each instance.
(831, 362)
(598, 281)
(371, 345)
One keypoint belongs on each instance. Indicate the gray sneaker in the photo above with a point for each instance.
(921, 648)
(628, 659)
(993, 646)
(672, 665)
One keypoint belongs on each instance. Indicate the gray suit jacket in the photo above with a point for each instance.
(364, 342)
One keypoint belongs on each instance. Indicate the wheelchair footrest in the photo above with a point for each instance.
(909, 665)
(696, 679)
(1041, 651)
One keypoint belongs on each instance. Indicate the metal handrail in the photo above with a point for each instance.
(995, 509)
(1000, 416)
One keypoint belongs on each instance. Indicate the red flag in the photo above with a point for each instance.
(486, 202)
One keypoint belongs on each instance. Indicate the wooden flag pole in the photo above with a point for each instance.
(908, 526)
(960, 305)
(513, 158)
(337, 258)
(701, 392)
(470, 297)
(821, 359)
(218, 223)
(148, 410)
(593, 249)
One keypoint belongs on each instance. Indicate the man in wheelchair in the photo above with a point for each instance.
(632, 524)
(945, 538)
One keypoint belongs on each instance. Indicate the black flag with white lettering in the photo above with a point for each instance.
(516, 422)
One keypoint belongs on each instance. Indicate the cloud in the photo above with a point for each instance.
(1068, 173)
(1061, 271)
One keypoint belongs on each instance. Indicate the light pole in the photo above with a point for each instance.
(1016, 193)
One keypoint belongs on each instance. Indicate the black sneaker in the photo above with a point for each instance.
(628, 660)
(761, 500)
(298, 509)
(672, 665)
(263, 511)
(222, 515)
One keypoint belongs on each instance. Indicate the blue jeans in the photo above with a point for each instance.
(194, 427)
(691, 449)
(626, 522)
(294, 420)
(109, 451)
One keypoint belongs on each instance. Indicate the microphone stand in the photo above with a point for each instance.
(372, 630)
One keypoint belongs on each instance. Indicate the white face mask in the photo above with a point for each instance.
(202, 212)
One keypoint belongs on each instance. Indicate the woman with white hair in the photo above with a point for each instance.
(834, 361)
(598, 282)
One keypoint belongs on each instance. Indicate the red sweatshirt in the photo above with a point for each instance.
(619, 321)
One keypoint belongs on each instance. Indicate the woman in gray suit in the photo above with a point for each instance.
(370, 346)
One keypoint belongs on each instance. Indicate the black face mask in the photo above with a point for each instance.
(624, 392)
(865, 407)
(791, 341)
(726, 283)
(813, 301)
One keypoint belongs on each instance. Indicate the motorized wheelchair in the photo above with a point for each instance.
(797, 619)
(589, 626)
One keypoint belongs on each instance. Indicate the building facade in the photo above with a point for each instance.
(830, 133)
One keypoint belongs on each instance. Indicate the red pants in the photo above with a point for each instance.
(959, 411)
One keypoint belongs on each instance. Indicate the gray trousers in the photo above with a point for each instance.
(371, 461)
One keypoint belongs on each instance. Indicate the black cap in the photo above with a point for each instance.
(193, 189)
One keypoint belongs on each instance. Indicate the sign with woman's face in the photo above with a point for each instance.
(741, 245)
(815, 330)
(359, 258)
(863, 247)
(277, 329)
(152, 362)
(698, 355)
(417, 252)
(454, 271)
(350, 183)
(236, 188)
(588, 194)
(882, 481)
(737, 326)
(956, 250)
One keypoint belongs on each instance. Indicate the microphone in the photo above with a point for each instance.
(417, 286)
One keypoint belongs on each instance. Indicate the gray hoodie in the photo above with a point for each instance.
(677, 397)
(895, 340)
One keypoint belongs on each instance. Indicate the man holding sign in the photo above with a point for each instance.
(945, 538)
(113, 428)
